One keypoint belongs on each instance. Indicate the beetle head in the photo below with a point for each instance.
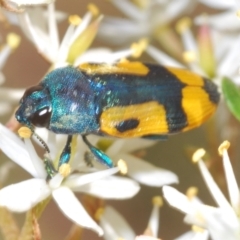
(35, 107)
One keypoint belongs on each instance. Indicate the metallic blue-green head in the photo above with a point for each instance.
(35, 107)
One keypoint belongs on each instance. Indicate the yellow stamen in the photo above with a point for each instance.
(65, 169)
(73, 147)
(183, 24)
(192, 192)
(197, 229)
(25, 132)
(142, 4)
(238, 13)
(157, 201)
(139, 47)
(189, 56)
(198, 155)
(122, 166)
(98, 214)
(124, 60)
(74, 20)
(13, 40)
(93, 9)
(224, 146)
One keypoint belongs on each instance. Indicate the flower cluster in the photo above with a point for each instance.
(176, 33)
(220, 222)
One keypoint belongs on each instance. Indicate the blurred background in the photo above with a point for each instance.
(25, 67)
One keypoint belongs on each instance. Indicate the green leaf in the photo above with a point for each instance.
(231, 94)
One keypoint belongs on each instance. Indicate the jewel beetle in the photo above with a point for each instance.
(127, 99)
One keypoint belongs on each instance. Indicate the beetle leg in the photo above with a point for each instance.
(66, 153)
(51, 171)
(100, 155)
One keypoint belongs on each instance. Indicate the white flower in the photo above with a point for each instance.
(8, 96)
(151, 19)
(225, 21)
(116, 227)
(195, 234)
(219, 4)
(222, 222)
(211, 53)
(23, 196)
(143, 20)
(31, 2)
(15, 6)
(138, 169)
(41, 29)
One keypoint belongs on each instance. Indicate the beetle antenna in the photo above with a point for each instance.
(40, 140)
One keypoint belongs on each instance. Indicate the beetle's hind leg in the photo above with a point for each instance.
(66, 153)
(100, 155)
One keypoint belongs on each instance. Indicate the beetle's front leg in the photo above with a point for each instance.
(100, 155)
(66, 153)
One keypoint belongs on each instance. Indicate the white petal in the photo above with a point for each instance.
(64, 46)
(52, 26)
(2, 78)
(177, 199)
(4, 54)
(143, 237)
(162, 58)
(219, 4)
(73, 209)
(189, 41)
(147, 173)
(33, 32)
(129, 9)
(11, 95)
(5, 108)
(81, 27)
(93, 55)
(78, 180)
(23, 196)
(129, 145)
(215, 191)
(220, 224)
(36, 160)
(111, 188)
(12, 17)
(233, 189)
(153, 222)
(31, 2)
(15, 149)
(223, 40)
(226, 66)
(225, 21)
(115, 226)
(56, 181)
(172, 10)
(191, 235)
(5, 170)
(111, 27)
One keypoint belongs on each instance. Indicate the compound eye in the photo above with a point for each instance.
(41, 118)
(31, 90)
